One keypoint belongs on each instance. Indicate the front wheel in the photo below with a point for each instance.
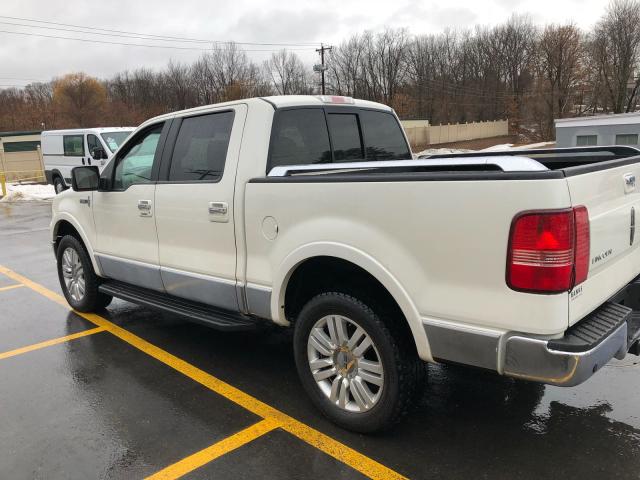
(360, 373)
(58, 185)
(77, 278)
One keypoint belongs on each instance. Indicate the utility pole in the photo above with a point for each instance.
(322, 67)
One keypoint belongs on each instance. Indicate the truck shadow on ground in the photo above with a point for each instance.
(467, 423)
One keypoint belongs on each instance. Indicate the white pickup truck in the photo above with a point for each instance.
(310, 213)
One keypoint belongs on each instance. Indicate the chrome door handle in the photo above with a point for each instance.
(219, 211)
(145, 208)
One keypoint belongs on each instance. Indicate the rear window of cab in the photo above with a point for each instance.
(305, 136)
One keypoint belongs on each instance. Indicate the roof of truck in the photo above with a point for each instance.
(278, 101)
(71, 131)
(281, 101)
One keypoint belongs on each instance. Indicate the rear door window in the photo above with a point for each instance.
(200, 151)
(345, 136)
(300, 137)
(383, 136)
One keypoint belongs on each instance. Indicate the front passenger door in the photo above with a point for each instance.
(126, 238)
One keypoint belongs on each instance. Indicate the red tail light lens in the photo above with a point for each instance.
(548, 251)
(583, 244)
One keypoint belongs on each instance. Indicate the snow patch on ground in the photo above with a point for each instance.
(28, 192)
(443, 151)
(509, 146)
(495, 148)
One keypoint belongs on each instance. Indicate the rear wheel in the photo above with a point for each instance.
(360, 373)
(78, 280)
(58, 185)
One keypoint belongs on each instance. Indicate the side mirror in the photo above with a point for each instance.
(98, 153)
(85, 179)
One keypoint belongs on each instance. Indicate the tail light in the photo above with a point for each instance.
(548, 250)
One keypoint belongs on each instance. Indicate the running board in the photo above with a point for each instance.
(198, 312)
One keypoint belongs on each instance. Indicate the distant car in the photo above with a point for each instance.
(64, 149)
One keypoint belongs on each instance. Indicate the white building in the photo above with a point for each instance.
(617, 129)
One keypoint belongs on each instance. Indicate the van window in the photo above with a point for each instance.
(92, 143)
(115, 139)
(300, 136)
(73, 145)
(200, 151)
(383, 136)
(345, 137)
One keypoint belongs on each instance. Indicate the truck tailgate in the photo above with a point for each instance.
(613, 202)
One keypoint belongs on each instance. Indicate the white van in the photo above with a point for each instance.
(64, 149)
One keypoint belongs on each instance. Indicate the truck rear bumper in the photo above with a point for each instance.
(611, 331)
(564, 363)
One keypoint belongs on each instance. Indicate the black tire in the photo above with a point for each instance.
(92, 300)
(403, 370)
(58, 184)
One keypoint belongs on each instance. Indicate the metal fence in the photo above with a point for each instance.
(22, 166)
(420, 135)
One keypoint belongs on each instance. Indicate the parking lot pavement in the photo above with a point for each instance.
(132, 393)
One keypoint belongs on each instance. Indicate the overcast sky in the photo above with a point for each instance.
(27, 57)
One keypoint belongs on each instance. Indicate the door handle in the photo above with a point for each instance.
(219, 211)
(145, 208)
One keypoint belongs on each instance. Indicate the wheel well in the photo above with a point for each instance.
(330, 274)
(65, 228)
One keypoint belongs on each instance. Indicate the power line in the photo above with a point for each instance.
(26, 79)
(173, 47)
(145, 36)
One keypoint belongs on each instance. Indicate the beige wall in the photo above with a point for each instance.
(22, 165)
(420, 135)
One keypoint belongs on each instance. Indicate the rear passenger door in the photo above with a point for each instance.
(194, 207)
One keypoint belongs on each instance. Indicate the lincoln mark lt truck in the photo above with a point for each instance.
(311, 213)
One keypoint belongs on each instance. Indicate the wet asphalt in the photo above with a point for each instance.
(96, 407)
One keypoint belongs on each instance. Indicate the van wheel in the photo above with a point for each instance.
(78, 280)
(359, 372)
(58, 185)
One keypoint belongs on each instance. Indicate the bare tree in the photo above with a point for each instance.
(287, 73)
(560, 56)
(615, 49)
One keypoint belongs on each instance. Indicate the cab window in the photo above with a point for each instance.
(300, 137)
(135, 164)
(200, 150)
(383, 136)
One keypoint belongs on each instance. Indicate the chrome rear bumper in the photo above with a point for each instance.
(611, 331)
(532, 359)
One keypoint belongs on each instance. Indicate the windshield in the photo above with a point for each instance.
(114, 139)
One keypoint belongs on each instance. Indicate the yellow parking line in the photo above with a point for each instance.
(48, 343)
(11, 287)
(216, 450)
(356, 460)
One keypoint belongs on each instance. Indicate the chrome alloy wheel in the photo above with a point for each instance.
(73, 274)
(345, 363)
